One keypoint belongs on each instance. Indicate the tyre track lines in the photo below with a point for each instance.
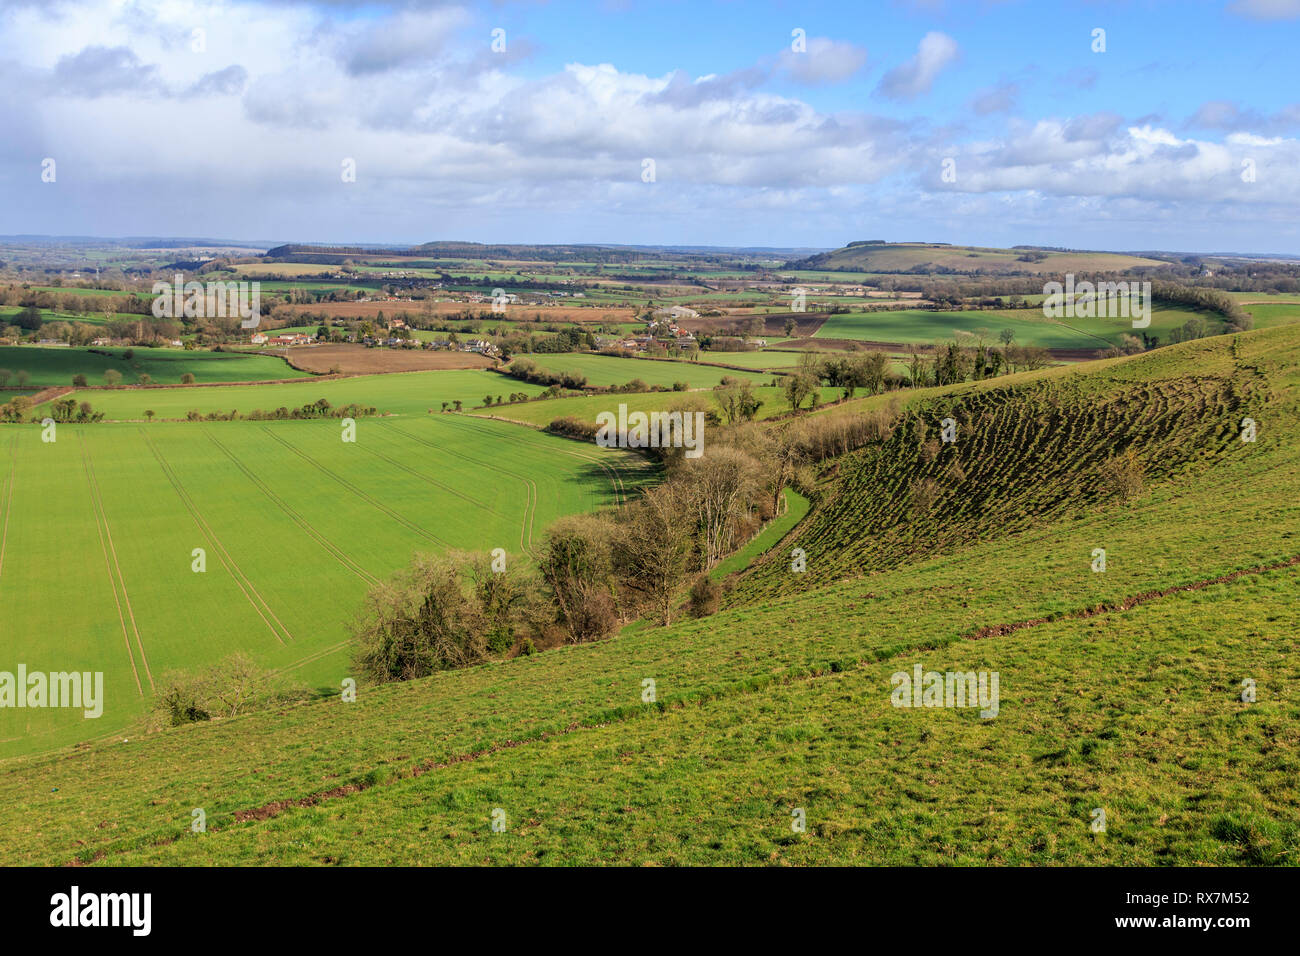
(610, 469)
(323, 652)
(530, 488)
(111, 564)
(336, 552)
(242, 581)
(433, 481)
(396, 516)
(8, 500)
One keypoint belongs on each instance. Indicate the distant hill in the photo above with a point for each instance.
(941, 258)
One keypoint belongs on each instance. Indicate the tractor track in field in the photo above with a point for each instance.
(334, 550)
(6, 505)
(315, 656)
(106, 544)
(530, 487)
(242, 581)
(433, 481)
(610, 469)
(360, 493)
(702, 698)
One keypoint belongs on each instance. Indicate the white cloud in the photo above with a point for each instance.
(917, 75)
(450, 140)
(824, 61)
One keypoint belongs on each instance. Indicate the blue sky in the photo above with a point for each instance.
(992, 122)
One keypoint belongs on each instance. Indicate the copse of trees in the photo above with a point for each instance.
(439, 613)
(68, 410)
(15, 410)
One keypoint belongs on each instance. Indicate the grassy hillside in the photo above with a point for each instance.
(1031, 327)
(1032, 451)
(901, 257)
(1120, 690)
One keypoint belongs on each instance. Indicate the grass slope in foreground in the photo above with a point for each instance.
(782, 704)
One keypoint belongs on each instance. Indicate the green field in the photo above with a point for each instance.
(587, 407)
(602, 370)
(403, 393)
(766, 359)
(57, 366)
(7, 314)
(796, 508)
(1273, 314)
(918, 326)
(296, 525)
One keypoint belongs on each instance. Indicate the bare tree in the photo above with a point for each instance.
(651, 555)
(577, 564)
(719, 487)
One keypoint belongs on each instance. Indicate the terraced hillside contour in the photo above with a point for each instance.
(1120, 690)
(1019, 455)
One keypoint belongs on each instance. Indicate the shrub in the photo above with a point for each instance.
(439, 613)
(230, 687)
(1124, 474)
(706, 595)
(573, 427)
(922, 494)
(577, 565)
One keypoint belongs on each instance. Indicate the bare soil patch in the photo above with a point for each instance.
(359, 360)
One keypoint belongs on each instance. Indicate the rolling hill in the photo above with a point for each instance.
(1121, 690)
(894, 257)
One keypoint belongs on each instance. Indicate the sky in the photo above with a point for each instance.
(1101, 125)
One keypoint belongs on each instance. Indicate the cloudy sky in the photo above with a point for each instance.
(991, 122)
